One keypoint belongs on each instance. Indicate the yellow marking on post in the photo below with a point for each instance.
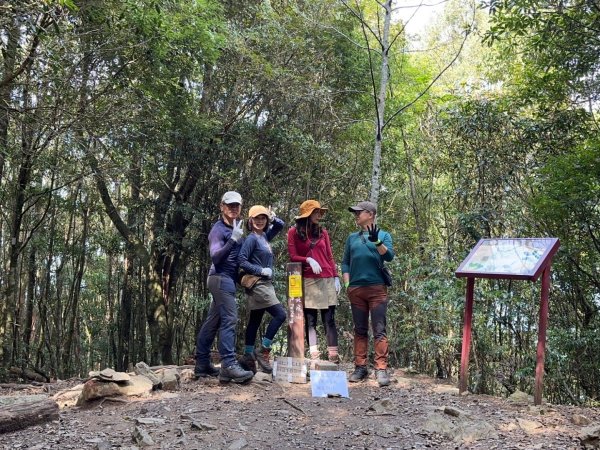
(295, 286)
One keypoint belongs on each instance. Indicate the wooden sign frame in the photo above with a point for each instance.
(518, 259)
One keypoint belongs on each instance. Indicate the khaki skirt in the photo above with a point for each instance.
(319, 293)
(262, 295)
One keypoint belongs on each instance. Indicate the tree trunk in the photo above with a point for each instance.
(75, 293)
(383, 82)
(28, 321)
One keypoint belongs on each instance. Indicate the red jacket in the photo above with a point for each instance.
(299, 250)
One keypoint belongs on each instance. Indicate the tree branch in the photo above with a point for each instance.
(438, 76)
(361, 20)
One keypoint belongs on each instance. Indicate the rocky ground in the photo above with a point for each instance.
(415, 412)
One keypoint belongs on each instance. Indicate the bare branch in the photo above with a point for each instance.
(372, 74)
(362, 21)
(438, 76)
(43, 21)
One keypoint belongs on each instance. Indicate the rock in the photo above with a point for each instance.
(465, 430)
(454, 412)
(537, 409)
(149, 421)
(142, 438)
(437, 423)
(111, 375)
(590, 436)
(325, 365)
(580, 420)
(238, 444)
(187, 375)
(143, 369)
(94, 388)
(169, 379)
(136, 386)
(103, 445)
(520, 397)
(529, 426)
(446, 389)
(388, 430)
(203, 426)
(69, 397)
(471, 431)
(261, 376)
(381, 407)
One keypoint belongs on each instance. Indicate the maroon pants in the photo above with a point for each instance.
(365, 300)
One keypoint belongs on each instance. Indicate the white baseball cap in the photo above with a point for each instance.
(231, 197)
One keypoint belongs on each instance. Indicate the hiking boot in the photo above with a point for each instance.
(262, 358)
(359, 374)
(206, 370)
(235, 373)
(382, 377)
(248, 362)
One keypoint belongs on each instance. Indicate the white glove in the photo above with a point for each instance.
(267, 272)
(338, 285)
(238, 230)
(314, 265)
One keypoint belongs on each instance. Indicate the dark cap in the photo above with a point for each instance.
(364, 206)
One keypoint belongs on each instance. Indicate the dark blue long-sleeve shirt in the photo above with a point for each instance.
(256, 253)
(224, 251)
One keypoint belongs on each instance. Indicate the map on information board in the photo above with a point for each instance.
(508, 258)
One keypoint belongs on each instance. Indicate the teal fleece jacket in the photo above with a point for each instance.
(360, 258)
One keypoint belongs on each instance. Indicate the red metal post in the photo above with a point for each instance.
(466, 341)
(295, 311)
(541, 345)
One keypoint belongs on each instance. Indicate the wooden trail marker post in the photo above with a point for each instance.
(295, 311)
(517, 259)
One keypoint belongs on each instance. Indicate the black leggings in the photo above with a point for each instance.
(328, 318)
(276, 311)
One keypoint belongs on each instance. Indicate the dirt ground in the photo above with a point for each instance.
(261, 415)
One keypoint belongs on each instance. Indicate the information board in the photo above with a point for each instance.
(523, 258)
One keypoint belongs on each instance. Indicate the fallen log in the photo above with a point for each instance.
(28, 374)
(19, 416)
(19, 386)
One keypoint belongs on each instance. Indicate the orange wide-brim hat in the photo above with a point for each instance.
(307, 208)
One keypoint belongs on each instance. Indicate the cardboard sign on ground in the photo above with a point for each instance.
(326, 383)
(291, 370)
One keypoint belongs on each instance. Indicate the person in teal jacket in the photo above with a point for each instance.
(364, 254)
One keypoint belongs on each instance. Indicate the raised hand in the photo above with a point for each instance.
(373, 232)
(238, 230)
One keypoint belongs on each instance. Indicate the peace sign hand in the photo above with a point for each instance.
(238, 230)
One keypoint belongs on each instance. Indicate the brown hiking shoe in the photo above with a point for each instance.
(262, 358)
(334, 359)
(248, 362)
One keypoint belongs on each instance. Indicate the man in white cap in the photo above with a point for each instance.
(225, 241)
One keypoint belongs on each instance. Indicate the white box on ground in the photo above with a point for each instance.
(292, 370)
(327, 382)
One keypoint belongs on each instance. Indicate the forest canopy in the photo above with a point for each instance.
(123, 122)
